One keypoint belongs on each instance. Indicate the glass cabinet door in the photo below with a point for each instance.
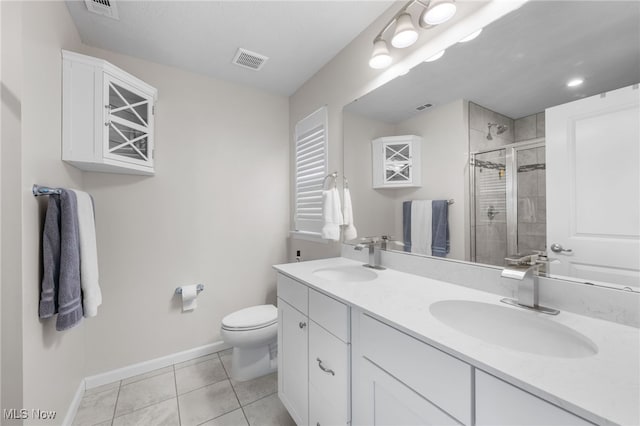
(128, 124)
(397, 162)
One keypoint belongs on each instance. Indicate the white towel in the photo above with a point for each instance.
(528, 213)
(350, 232)
(332, 214)
(91, 294)
(421, 227)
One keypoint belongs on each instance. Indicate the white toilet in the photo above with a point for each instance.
(252, 332)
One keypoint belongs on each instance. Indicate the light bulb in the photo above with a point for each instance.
(438, 12)
(470, 36)
(435, 57)
(405, 34)
(380, 57)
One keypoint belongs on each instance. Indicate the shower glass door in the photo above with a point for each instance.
(509, 202)
(489, 229)
(530, 206)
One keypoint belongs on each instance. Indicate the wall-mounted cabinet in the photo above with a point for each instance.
(396, 162)
(107, 117)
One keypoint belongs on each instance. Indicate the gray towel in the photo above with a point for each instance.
(61, 291)
(50, 258)
(440, 228)
(406, 225)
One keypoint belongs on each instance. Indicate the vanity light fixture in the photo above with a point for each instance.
(575, 82)
(434, 12)
(435, 57)
(471, 36)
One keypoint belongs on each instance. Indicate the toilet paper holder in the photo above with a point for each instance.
(199, 288)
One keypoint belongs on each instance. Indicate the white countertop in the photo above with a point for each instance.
(603, 388)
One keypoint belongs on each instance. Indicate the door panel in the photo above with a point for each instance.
(593, 187)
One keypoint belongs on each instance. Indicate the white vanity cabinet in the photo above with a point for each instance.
(107, 117)
(401, 380)
(313, 355)
(396, 162)
(398, 379)
(499, 403)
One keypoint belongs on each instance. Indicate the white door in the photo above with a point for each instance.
(593, 188)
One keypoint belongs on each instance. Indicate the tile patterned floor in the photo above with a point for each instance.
(192, 393)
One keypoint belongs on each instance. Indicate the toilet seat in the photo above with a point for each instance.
(253, 318)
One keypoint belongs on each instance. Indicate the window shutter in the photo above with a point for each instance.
(310, 170)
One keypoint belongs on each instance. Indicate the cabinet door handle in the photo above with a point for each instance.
(325, 369)
(302, 324)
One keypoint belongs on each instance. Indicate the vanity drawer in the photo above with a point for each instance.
(329, 313)
(329, 353)
(322, 412)
(294, 293)
(438, 377)
(499, 403)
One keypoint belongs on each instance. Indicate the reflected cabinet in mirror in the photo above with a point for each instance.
(532, 129)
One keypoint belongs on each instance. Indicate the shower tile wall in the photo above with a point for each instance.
(529, 127)
(479, 118)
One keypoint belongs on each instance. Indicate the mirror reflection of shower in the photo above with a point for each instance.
(500, 129)
(507, 185)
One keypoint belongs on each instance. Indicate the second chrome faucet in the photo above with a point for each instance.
(374, 244)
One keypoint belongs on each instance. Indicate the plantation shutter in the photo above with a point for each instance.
(310, 170)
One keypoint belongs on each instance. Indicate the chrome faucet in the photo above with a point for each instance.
(525, 270)
(374, 253)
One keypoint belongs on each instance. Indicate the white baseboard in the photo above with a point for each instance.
(75, 404)
(153, 364)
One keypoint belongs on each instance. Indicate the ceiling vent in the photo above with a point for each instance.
(103, 7)
(248, 59)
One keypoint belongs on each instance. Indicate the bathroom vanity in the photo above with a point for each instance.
(386, 347)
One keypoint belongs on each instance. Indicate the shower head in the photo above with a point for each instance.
(500, 129)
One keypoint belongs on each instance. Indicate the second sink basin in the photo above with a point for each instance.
(513, 328)
(346, 273)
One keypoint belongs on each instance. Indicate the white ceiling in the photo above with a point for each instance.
(299, 37)
(519, 65)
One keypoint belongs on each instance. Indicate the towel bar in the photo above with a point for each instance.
(45, 190)
(333, 175)
(199, 288)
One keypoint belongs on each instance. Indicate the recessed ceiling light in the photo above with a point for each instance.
(435, 57)
(471, 36)
(575, 82)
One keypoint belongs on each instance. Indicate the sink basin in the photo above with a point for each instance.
(513, 328)
(346, 273)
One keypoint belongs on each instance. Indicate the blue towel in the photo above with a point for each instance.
(61, 291)
(406, 225)
(440, 228)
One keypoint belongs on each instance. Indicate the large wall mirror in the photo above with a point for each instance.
(519, 160)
